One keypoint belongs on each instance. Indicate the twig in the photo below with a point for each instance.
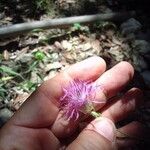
(62, 22)
(128, 136)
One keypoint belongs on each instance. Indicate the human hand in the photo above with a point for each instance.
(40, 125)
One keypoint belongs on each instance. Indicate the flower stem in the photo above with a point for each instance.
(95, 114)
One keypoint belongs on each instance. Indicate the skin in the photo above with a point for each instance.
(39, 124)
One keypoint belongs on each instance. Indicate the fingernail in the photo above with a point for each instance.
(105, 127)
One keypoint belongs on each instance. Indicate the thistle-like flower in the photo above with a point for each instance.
(78, 97)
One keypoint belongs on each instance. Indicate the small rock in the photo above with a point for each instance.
(66, 45)
(96, 46)
(23, 56)
(103, 37)
(143, 35)
(140, 63)
(130, 26)
(2, 15)
(86, 47)
(92, 37)
(146, 77)
(6, 55)
(58, 45)
(8, 18)
(116, 52)
(5, 115)
(89, 54)
(26, 58)
(55, 56)
(116, 41)
(110, 2)
(130, 37)
(110, 33)
(70, 57)
(28, 41)
(142, 46)
(81, 56)
(55, 65)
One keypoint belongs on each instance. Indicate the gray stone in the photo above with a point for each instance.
(140, 63)
(142, 46)
(24, 58)
(55, 56)
(76, 7)
(143, 64)
(5, 115)
(130, 37)
(143, 35)
(146, 77)
(130, 26)
(2, 15)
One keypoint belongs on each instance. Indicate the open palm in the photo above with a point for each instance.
(39, 125)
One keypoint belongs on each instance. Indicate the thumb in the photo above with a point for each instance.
(98, 135)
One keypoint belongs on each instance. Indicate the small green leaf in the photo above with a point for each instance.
(2, 92)
(39, 55)
(9, 71)
(77, 26)
(37, 30)
(6, 78)
(28, 86)
(33, 66)
(1, 57)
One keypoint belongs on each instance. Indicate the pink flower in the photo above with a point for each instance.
(78, 97)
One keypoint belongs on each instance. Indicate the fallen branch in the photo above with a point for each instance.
(62, 22)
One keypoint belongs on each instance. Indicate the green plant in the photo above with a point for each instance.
(42, 4)
(9, 71)
(39, 55)
(80, 27)
(45, 5)
(28, 86)
(104, 25)
(77, 26)
(3, 91)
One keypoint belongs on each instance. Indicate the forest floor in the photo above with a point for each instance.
(29, 59)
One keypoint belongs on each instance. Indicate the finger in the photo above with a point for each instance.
(40, 110)
(115, 79)
(98, 135)
(87, 70)
(131, 135)
(121, 108)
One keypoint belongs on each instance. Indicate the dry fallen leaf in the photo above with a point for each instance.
(66, 45)
(6, 55)
(18, 101)
(96, 46)
(86, 47)
(51, 66)
(58, 45)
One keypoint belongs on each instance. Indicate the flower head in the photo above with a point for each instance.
(78, 97)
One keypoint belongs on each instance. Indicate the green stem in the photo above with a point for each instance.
(95, 114)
